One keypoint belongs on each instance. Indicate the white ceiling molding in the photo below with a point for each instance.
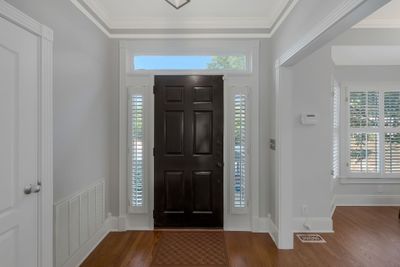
(98, 15)
(192, 23)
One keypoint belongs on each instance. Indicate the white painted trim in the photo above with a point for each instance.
(79, 220)
(273, 232)
(367, 200)
(45, 202)
(193, 36)
(244, 222)
(110, 225)
(357, 180)
(46, 152)
(313, 225)
(283, 156)
(91, 18)
(192, 23)
(313, 36)
(285, 14)
(378, 24)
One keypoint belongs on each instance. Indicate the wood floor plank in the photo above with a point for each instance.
(364, 236)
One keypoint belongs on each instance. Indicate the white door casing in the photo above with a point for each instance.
(144, 79)
(25, 140)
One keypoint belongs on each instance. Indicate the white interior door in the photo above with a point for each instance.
(19, 86)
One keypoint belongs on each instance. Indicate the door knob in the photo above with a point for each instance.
(220, 164)
(37, 188)
(28, 189)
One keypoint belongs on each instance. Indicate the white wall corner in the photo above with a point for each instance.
(313, 225)
(261, 224)
(367, 200)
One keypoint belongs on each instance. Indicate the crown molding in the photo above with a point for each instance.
(378, 24)
(98, 15)
(192, 23)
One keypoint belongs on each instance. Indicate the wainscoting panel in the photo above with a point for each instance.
(77, 219)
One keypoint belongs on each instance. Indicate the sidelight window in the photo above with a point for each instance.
(241, 128)
(136, 150)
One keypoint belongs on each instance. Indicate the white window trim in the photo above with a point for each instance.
(142, 91)
(345, 175)
(242, 90)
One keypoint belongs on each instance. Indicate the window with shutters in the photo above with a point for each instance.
(373, 136)
(336, 130)
(240, 173)
(136, 148)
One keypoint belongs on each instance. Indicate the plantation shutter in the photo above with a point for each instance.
(336, 130)
(364, 135)
(136, 150)
(392, 134)
(240, 150)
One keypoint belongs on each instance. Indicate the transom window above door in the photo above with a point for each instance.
(204, 63)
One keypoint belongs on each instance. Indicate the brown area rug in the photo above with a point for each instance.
(191, 249)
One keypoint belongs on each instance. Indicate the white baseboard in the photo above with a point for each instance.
(84, 251)
(367, 200)
(274, 232)
(313, 225)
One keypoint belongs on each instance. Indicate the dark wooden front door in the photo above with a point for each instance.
(188, 151)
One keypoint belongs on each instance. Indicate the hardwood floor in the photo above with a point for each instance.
(364, 236)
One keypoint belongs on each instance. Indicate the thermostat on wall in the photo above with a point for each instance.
(309, 119)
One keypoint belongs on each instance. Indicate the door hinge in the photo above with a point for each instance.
(154, 214)
(154, 151)
(154, 89)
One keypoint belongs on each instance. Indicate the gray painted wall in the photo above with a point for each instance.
(84, 84)
(312, 79)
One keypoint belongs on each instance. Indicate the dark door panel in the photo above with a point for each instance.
(188, 151)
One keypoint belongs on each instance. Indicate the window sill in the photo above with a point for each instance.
(353, 180)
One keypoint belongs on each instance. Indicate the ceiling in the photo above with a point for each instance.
(386, 17)
(198, 14)
(366, 55)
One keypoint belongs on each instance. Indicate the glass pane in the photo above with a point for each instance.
(392, 109)
(364, 109)
(364, 153)
(137, 138)
(373, 109)
(240, 164)
(233, 63)
(392, 153)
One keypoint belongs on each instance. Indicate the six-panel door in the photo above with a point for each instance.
(188, 151)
